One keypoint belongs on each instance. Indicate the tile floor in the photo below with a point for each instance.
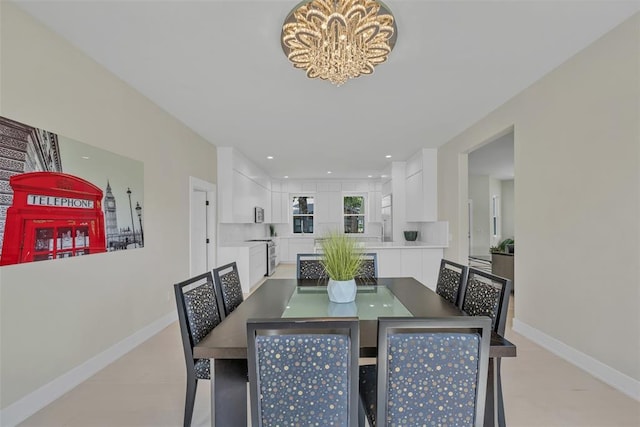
(146, 388)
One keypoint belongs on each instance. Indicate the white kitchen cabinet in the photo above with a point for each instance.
(251, 260)
(420, 263)
(241, 187)
(257, 263)
(421, 186)
(283, 250)
(412, 263)
(389, 263)
(431, 266)
(279, 207)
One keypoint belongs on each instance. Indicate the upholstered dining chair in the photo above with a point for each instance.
(303, 371)
(431, 371)
(308, 266)
(485, 294)
(198, 314)
(369, 268)
(451, 279)
(228, 287)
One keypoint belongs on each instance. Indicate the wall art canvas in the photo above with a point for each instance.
(61, 198)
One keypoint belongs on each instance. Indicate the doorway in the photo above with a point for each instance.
(202, 225)
(491, 176)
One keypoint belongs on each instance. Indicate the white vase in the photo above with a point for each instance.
(341, 291)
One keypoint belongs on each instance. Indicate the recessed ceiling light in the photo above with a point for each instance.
(85, 157)
(270, 157)
(388, 156)
(369, 176)
(328, 171)
(286, 176)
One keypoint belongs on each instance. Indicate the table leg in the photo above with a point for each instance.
(228, 392)
(494, 405)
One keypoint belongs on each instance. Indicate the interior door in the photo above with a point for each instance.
(199, 244)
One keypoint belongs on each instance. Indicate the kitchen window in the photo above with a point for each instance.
(353, 209)
(302, 208)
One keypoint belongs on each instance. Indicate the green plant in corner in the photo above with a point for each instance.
(341, 258)
(502, 246)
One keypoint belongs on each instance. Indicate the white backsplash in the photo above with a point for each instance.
(433, 233)
(241, 232)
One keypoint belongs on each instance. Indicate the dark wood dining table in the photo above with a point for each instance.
(226, 345)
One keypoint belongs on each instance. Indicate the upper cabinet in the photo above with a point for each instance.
(279, 203)
(242, 187)
(422, 186)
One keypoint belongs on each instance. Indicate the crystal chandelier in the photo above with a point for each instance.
(337, 40)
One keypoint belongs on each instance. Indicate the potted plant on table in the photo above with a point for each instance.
(342, 260)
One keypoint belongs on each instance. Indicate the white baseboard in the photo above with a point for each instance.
(33, 402)
(616, 379)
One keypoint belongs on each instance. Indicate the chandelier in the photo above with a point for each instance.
(337, 40)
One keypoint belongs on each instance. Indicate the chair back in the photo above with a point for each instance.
(308, 266)
(451, 279)
(486, 294)
(229, 287)
(198, 311)
(303, 371)
(433, 370)
(369, 268)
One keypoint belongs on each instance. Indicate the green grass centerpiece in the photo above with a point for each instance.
(342, 260)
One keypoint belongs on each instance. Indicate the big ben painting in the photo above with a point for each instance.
(60, 198)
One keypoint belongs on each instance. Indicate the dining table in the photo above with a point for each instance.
(226, 344)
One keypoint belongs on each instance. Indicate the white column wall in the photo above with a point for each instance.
(577, 168)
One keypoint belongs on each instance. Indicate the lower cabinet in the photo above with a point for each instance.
(257, 263)
(251, 262)
(421, 264)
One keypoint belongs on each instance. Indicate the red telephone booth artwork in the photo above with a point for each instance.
(53, 215)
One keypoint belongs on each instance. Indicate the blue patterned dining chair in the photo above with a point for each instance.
(369, 268)
(451, 279)
(486, 294)
(228, 286)
(303, 371)
(431, 371)
(198, 314)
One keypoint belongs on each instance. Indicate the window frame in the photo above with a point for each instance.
(365, 214)
(294, 215)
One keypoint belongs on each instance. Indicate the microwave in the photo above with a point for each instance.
(259, 214)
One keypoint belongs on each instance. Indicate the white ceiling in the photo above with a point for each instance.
(218, 67)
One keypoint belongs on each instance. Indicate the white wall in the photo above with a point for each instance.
(577, 164)
(57, 315)
(508, 204)
(479, 195)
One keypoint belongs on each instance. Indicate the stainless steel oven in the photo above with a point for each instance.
(272, 256)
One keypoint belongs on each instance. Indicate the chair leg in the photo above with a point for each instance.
(190, 399)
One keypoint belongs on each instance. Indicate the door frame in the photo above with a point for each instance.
(197, 184)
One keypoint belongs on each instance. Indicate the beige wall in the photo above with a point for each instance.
(57, 314)
(577, 186)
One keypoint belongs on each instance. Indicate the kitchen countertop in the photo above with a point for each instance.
(401, 245)
(397, 245)
(241, 244)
